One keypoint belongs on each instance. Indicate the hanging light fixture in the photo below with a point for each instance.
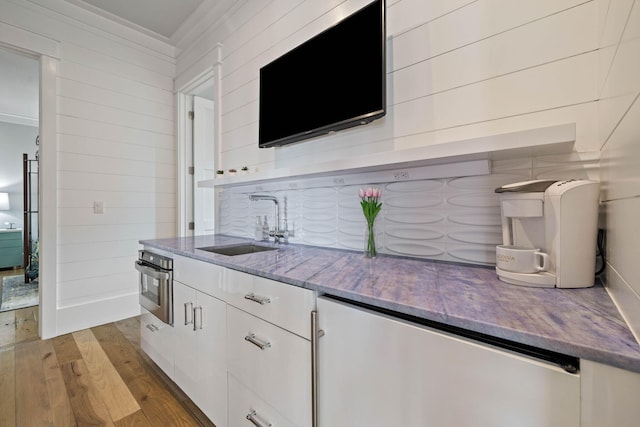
(4, 202)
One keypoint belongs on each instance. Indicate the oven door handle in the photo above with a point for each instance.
(151, 272)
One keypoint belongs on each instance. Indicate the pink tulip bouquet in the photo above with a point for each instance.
(370, 208)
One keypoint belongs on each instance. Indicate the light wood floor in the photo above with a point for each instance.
(96, 376)
(17, 325)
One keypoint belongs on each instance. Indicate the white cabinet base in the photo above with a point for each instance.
(609, 396)
(156, 339)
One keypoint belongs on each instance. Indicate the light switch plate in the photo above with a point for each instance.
(98, 207)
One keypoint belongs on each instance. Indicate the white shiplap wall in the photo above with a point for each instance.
(456, 70)
(115, 144)
(619, 90)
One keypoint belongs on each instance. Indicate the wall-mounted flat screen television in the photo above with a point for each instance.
(333, 81)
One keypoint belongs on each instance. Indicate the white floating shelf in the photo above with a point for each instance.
(533, 142)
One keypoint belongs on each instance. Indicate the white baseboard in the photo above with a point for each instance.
(83, 316)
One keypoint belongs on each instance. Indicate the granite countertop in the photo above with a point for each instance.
(583, 323)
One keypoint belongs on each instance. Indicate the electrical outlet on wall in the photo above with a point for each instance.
(98, 207)
(401, 175)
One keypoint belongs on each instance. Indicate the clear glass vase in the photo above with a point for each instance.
(370, 250)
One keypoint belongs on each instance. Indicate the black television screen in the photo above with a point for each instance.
(333, 81)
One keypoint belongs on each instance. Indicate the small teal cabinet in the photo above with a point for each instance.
(10, 248)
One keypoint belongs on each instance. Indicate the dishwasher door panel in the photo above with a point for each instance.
(377, 370)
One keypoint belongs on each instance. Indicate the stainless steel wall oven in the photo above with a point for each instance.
(156, 284)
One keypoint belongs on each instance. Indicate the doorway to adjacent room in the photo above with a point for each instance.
(19, 225)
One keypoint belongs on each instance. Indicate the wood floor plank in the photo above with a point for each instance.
(62, 412)
(121, 353)
(18, 325)
(117, 397)
(66, 349)
(134, 420)
(26, 324)
(160, 406)
(7, 328)
(130, 328)
(32, 398)
(88, 407)
(8, 382)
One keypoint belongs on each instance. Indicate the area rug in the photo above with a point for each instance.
(17, 294)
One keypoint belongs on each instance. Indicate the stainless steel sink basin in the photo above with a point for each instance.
(241, 249)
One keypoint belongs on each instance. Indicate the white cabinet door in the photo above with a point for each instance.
(200, 350)
(211, 382)
(185, 370)
(375, 370)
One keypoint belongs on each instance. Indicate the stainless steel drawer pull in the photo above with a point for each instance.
(255, 298)
(197, 326)
(187, 312)
(252, 416)
(255, 341)
(152, 327)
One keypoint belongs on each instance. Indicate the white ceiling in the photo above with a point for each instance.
(159, 17)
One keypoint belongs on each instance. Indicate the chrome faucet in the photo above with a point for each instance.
(279, 235)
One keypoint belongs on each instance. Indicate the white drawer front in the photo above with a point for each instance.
(280, 372)
(285, 305)
(156, 339)
(199, 275)
(243, 404)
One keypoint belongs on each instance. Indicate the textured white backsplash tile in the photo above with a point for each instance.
(454, 219)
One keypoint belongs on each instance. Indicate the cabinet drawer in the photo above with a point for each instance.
(156, 339)
(199, 275)
(244, 404)
(10, 260)
(280, 372)
(285, 305)
(11, 236)
(11, 244)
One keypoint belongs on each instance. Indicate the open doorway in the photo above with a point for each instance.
(45, 51)
(19, 232)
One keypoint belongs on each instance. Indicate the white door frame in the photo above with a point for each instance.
(46, 50)
(184, 134)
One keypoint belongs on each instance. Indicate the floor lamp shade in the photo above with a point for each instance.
(4, 202)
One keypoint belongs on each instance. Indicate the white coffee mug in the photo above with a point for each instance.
(519, 259)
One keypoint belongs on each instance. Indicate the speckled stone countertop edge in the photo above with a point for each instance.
(617, 347)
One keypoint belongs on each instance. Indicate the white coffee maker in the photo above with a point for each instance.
(559, 219)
